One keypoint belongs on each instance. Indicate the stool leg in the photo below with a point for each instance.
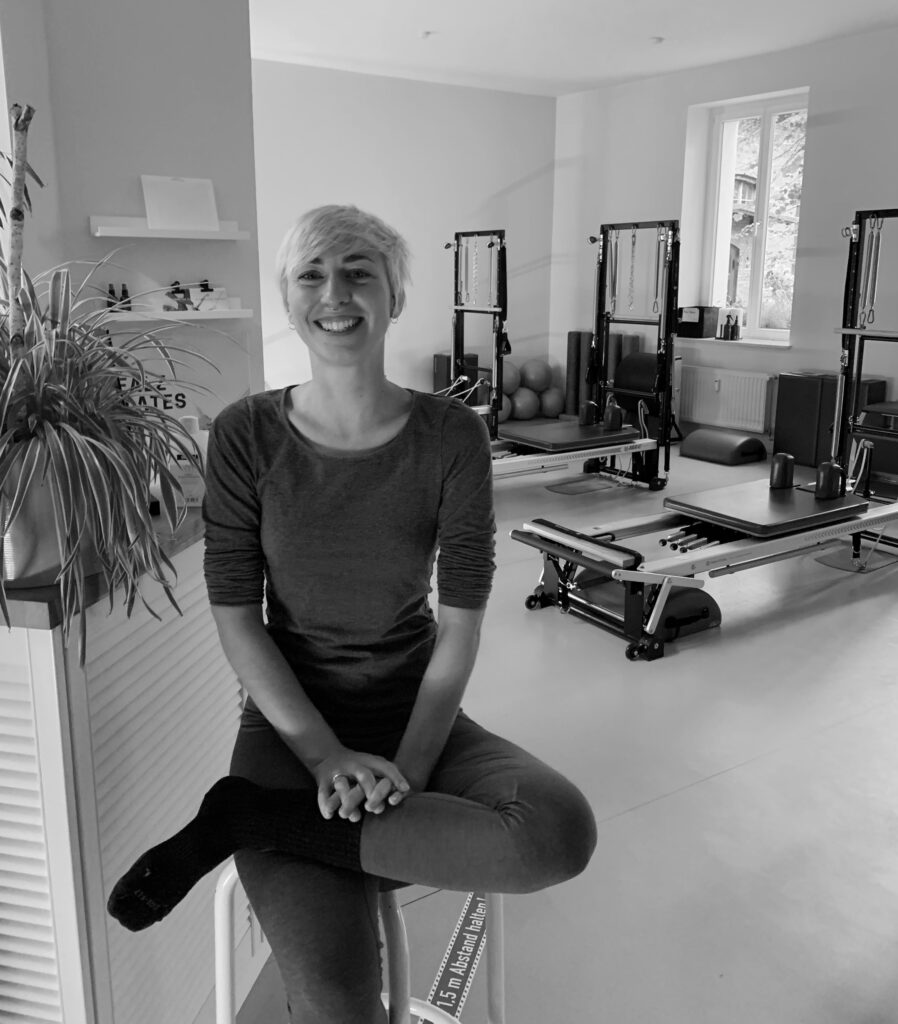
(495, 959)
(224, 944)
(397, 958)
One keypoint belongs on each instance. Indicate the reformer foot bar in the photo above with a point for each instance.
(652, 599)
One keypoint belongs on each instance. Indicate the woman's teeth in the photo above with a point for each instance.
(338, 326)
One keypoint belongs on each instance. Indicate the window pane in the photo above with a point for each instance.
(744, 211)
(786, 168)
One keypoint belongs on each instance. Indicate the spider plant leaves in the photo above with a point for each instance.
(29, 171)
(59, 303)
(10, 416)
(77, 415)
(169, 491)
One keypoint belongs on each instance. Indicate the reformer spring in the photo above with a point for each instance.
(872, 243)
(698, 535)
(660, 252)
(612, 259)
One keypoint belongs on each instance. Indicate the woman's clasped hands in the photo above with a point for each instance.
(350, 782)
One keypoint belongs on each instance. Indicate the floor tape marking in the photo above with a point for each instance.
(456, 971)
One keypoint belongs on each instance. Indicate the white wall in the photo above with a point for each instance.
(27, 82)
(622, 153)
(123, 88)
(430, 160)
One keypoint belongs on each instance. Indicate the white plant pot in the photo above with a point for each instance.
(30, 551)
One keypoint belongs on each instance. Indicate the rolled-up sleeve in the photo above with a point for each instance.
(466, 531)
(233, 560)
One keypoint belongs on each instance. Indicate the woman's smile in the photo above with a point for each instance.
(343, 325)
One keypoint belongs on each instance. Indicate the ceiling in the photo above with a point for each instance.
(545, 48)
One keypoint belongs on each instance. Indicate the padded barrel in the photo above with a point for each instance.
(727, 447)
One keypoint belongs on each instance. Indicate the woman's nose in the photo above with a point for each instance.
(336, 290)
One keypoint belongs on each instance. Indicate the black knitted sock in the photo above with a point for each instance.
(235, 814)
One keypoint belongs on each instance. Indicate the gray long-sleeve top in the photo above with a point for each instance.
(344, 542)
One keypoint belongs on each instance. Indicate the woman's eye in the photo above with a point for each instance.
(308, 275)
(359, 275)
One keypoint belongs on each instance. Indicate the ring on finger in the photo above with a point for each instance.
(338, 775)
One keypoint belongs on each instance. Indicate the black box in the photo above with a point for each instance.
(806, 409)
(697, 321)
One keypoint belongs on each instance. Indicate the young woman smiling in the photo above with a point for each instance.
(326, 505)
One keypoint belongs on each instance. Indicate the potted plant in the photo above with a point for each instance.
(78, 452)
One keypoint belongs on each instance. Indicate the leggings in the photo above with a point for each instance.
(493, 819)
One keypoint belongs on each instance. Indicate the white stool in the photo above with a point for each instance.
(397, 999)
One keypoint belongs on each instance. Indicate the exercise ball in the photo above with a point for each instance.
(504, 409)
(551, 402)
(511, 377)
(536, 374)
(524, 404)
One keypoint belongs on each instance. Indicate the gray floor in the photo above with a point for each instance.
(745, 787)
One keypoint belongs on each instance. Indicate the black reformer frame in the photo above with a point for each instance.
(645, 465)
(499, 314)
(858, 327)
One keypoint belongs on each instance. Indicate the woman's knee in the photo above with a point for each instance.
(559, 838)
(577, 825)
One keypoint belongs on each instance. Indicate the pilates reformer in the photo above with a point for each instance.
(649, 594)
(546, 446)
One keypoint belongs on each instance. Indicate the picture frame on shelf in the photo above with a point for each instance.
(173, 203)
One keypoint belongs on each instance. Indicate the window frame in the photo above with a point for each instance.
(719, 202)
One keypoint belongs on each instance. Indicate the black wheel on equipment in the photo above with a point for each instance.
(658, 484)
(633, 652)
(532, 601)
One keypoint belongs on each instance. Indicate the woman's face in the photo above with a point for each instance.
(341, 305)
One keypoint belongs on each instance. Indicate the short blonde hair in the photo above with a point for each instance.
(340, 230)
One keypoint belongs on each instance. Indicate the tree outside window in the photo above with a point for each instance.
(760, 163)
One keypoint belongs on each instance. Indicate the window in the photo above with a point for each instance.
(757, 162)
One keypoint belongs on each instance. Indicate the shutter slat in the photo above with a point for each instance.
(158, 743)
(29, 975)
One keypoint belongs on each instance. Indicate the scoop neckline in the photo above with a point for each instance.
(344, 453)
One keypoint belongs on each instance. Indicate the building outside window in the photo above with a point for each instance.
(757, 165)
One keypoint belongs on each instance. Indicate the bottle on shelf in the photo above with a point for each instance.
(191, 480)
(111, 300)
(728, 328)
(126, 297)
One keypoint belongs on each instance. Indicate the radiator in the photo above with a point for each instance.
(725, 398)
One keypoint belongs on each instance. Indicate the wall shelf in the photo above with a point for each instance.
(136, 227)
(135, 317)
